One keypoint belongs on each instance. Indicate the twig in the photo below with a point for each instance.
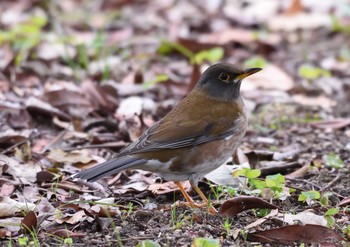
(331, 183)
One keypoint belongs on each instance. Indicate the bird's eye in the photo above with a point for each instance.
(224, 77)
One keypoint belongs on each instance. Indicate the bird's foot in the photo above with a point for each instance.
(210, 208)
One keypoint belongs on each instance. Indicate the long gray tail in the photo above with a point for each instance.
(109, 167)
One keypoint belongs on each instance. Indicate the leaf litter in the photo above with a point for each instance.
(88, 84)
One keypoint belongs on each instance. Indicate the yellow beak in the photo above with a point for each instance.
(248, 72)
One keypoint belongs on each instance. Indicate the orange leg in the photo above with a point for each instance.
(189, 200)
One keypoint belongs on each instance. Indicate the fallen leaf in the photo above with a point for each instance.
(36, 106)
(258, 222)
(65, 233)
(301, 172)
(239, 204)
(223, 176)
(29, 222)
(75, 218)
(337, 123)
(6, 190)
(305, 217)
(9, 207)
(308, 234)
(164, 188)
(321, 100)
(290, 23)
(271, 77)
(345, 202)
(26, 173)
(73, 157)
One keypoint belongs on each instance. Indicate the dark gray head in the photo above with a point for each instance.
(223, 81)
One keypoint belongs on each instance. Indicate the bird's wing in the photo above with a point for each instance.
(168, 134)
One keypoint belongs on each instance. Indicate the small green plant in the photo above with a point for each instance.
(227, 226)
(23, 241)
(24, 36)
(147, 243)
(212, 55)
(262, 212)
(159, 78)
(205, 242)
(337, 26)
(334, 161)
(329, 216)
(309, 72)
(347, 231)
(220, 191)
(173, 215)
(309, 196)
(272, 183)
(256, 61)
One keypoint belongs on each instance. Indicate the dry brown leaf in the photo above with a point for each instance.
(301, 172)
(337, 123)
(297, 233)
(290, 23)
(164, 188)
(271, 77)
(36, 106)
(71, 102)
(77, 157)
(74, 218)
(29, 222)
(345, 202)
(294, 8)
(65, 233)
(6, 190)
(239, 204)
(9, 207)
(258, 222)
(26, 173)
(321, 100)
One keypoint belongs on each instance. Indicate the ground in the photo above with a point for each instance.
(80, 81)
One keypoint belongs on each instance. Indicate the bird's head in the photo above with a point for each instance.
(223, 81)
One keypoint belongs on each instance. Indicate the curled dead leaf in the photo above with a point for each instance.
(29, 222)
(344, 202)
(297, 233)
(9, 207)
(337, 123)
(65, 233)
(236, 205)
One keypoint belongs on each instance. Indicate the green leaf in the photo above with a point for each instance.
(205, 242)
(334, 160)
(247, 172)
(330, 221)
(23, 241)
(239, 172)
(276, 180)
(256, 61)
(167, 47)
(147, 243)
(309, 72)
(312, 194)
(257, 183)
(159, 78)
(213, 55)
(332, 211)
(253, 173)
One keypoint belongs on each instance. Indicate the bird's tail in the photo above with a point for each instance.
(108, 168)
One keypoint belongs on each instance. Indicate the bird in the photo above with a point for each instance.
(197, 136)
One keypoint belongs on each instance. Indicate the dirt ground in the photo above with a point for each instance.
(83, 79)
